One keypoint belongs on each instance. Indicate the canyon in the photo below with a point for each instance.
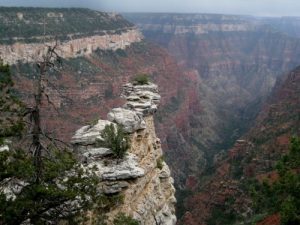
(233, 60)
(214, 73)
(225, 197)
(237, 63)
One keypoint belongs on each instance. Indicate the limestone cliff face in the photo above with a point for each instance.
(79, 32)
(141, 177)
(31, 52)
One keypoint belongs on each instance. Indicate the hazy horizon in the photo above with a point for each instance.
(265, 8)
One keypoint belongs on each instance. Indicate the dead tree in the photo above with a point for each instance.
(49, 61)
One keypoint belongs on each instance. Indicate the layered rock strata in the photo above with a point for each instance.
(234, 62)
(141, 176)
(31, 52)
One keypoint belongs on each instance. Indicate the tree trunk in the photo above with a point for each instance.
(36, 132)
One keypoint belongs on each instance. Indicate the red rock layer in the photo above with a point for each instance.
(255, 156)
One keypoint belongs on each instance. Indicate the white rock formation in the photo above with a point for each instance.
(147, 187)
(141, 98)
(4, 148)
(130, 120)
(11, 187)
(89, 134)
(112, 170)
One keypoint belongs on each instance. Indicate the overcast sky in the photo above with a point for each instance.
(249, 7)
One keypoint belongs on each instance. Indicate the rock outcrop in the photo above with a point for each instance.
(4, 148)
(130, 120)
(141, 176)
(78, 32)
(31, 52)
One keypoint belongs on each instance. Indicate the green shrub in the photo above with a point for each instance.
(141, 79)
(120, 52)
(282, 196)
(159, 163)
(115, 139)
(11, 109)
(122, 219)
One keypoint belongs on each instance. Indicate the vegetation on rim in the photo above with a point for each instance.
(28, 23)
(122, 219)
(141, 79)
(48, 187)
(282, 196)
(115, 138)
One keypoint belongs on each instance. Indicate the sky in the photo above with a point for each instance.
(246, 7)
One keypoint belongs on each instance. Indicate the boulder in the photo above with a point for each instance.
(131, 120)
(4, 148)
(88, 135)
(122, 169)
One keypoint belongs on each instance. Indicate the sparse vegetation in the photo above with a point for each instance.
(221, 216)
(60, 23)
(64, 191)
(282, 195)
(159, 162)
(93, 122)
(120, 52)
(11, 109)
(115, 139)
(122, 219)
(141, 79)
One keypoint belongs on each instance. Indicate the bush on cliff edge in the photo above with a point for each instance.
(115, 138)
(141, 79)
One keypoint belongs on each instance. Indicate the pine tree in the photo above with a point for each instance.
(41, 182)
(115, 138)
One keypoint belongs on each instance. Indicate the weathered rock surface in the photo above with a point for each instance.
(147, 188)
(150, 197)
(30, 52)
(141, 98)
(95, 153)
(89, 134)
(130, 120)
(4, 148)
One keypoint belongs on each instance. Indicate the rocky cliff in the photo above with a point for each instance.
(234, 62)
(25, 33)
(31, 52)
(212, 86)
(225, 197)
(288, 25)
(97, 63)
(142, 177)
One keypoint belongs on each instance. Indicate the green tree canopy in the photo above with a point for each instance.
(283, 195)
(65, 190)
(115, 138)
